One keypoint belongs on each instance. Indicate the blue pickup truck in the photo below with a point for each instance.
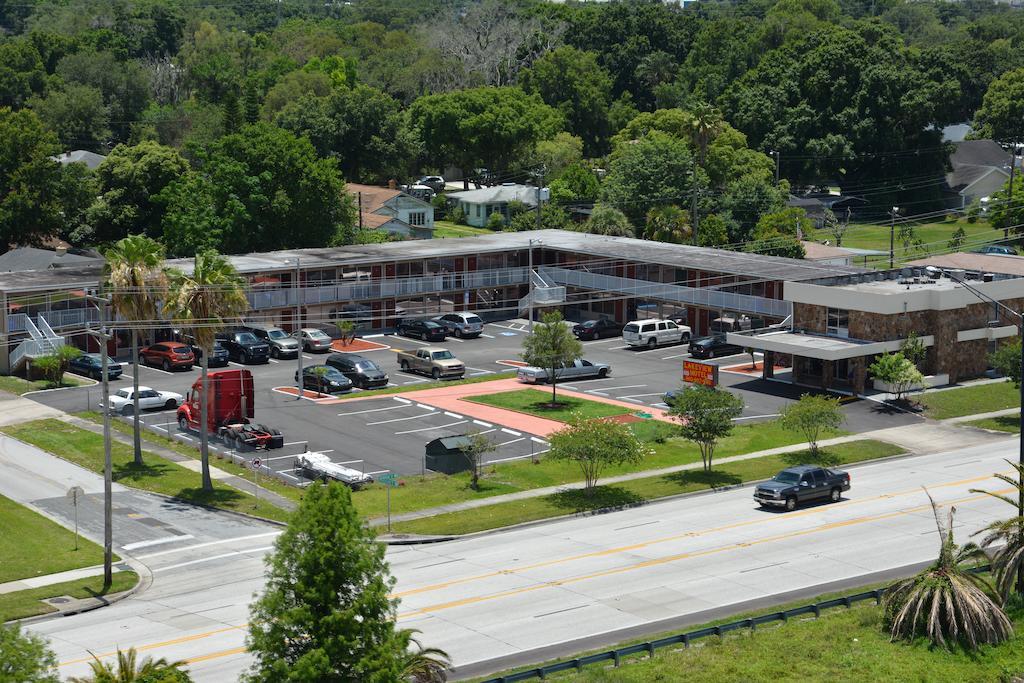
(804, 483)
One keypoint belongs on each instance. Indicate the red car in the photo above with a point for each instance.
(168, 355)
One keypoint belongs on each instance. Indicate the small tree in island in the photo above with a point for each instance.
(898, 372)
(474, 451)
(705, 415)
(551, 346)
(811, 414)
(594, 444)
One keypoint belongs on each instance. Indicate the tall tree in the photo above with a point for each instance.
(607, 220)
(137, 283)
(551, 346)
(1001, 116)
(1006, 536)
(654, 170)
(668, 224)
(203, 301)
(77, 114)
(707, 124)
(25, 657)
(325, 613)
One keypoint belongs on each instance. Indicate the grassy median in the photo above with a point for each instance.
(19, 386)
(969, 400)
(404, 389)
(1003, 423)
(85, 448)
(638, 491)
(537, 402)
(23, 604)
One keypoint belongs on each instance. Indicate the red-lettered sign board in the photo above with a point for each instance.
(696, 372)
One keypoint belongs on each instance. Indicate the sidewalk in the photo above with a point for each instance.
(189, 463)
(59, 577)
(981, 416)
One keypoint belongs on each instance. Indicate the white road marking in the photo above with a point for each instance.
(602, 341)
(162, 429)
(627, 386)
(211, 559)
(377, 472)
(520, 457)
(186, 437)
(570, 387)
(511, 431)
(414, 381)
(208, 544)
(536, 440)
(678, 355)
(657, 393)
(632, 400)
(482, 423)
(427, 429)
(237, 365)
(596, 393)
(401, 400)
(307, 357)
(279, 457)
(399, 419)
(505, 443)
(156, 541)
(455, 415)
(416, 341)
(489, 336)
(282, 472)
(295, 443)
(753, 417)
(420, 405)
(273, 360)
(371, 410)
(480, 371)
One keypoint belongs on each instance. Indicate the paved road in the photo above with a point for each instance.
(586, 580)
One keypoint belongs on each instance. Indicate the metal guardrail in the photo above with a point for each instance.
(685, 639)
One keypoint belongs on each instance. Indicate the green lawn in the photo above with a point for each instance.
(934, 236)
(537, 402)
(970, 400)
(638, 491)
(417, 493)
(841, 645)
(449, 229)
(1004, 423)
(85, 448)
(27, 603)
(269, 483)
(32, 545)
(17, 385)
(429, 385)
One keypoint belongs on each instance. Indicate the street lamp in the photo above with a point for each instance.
(108, 469)
(892, 234)
(301, 382)
(532, 241)
(1020, 328)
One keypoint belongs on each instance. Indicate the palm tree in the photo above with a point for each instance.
(947, 602)
(128, 670)
(668, 224)
(135, 275)
(707, 123)
(202, 301)
(424, 664)
(1008, 560)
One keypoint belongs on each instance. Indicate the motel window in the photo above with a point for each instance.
(417, 218)
(838, 322)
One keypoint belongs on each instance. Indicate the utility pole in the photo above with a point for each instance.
(529, 279)
(694, 212)
(1009, 199)
(778, 160)
(298, 324)
(540, 197)
(108, 469)
(892, 237)
(359, 201)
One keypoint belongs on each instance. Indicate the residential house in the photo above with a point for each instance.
(480, 204)
(980, 169)
(24, 259)
(392, 210)
(826, 254)
(80, 156)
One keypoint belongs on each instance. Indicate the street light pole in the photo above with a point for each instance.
(532, 241)
(1020, 445)
(108, 469)
(892, 236)
(301, 382)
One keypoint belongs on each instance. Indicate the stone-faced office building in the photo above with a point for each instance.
(840, 324)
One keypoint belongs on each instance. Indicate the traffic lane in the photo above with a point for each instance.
(570, 579)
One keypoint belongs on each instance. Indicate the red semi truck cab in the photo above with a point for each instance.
(229, 411)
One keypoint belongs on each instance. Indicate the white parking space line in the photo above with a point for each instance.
(162, 429)
(480, 371)
(237, 365)
(413, 381)
(420, 405)
(632, 400)
(597, 393)
(678, 355)
(663, 406)
(518, 457)
(454, 339)
(511, 431)
(656, 393)
(627, 386)
(295, 443)
(272, 360)
(537, 440)
(455, 415)
(505, 443)
(207, 545)
(570, 387)
(290, 476)
(156, 541)
(401, 400)
(399, 419)
(489, 336)
(427, 429)
(371, 410)
(186, 437)
(753, 417)
(158, 370)
(377, 472)
(277, 457)
(602, 341)
(416, 341)
(482, 423)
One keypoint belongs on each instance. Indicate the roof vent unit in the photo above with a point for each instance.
(988, 277)
(957, 273)
(934, 274)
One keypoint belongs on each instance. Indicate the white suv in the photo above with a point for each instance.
(652, 333)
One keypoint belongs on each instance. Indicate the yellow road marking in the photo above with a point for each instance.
(153, 646)
(217, 655)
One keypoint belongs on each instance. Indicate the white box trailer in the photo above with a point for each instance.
(315, 465)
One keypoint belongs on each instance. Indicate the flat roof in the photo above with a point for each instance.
(809, 345)
(626, 248)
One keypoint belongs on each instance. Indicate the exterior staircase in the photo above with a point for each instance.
(545, 293)
(42, 341)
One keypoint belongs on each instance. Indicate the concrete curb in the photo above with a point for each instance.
(413, 539)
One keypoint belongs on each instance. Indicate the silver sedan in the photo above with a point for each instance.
(578, 369)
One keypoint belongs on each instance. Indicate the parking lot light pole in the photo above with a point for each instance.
(298, 330)
(1020, 330)
(532, 241)
(108, 470)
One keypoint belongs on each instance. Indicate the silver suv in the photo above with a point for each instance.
(653, 333)
(282, 345)
(461, 325)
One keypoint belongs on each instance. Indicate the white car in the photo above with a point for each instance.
(121, 401)
(579, 368)
(313, 339)
(653, 333)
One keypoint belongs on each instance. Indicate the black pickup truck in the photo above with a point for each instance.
(795, 485)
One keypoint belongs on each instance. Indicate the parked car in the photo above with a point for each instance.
(653, 333)
(669, 397)
(461, 325)
(324, 379)
(795, 485)
(168, 355)
(597, 329)
(712, 347)
(678, 318)
(433, 361)
(996, 249)
(122, 400)
(434, 182)
(91, 365)
(282, 344)
(427, 330)
(313, 339)
(424, 192)
(578, 369)
(244, 347)
(219, 357)
(362, 371)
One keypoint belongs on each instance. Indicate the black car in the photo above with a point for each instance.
(324, 379)
(427, 330)
(362, 371)
(244, 347)
(219, 357)
(91, 365)
(597, 329)
(801, 484)
(711, 347)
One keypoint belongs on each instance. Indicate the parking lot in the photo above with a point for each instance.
(389, 433)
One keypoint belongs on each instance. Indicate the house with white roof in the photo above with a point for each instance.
(480, 204)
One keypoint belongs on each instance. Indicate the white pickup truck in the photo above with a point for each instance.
(433, 361)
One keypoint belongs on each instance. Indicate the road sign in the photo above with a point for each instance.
(695, 372)
(255, 464)
(75, 493)
(390, 479)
